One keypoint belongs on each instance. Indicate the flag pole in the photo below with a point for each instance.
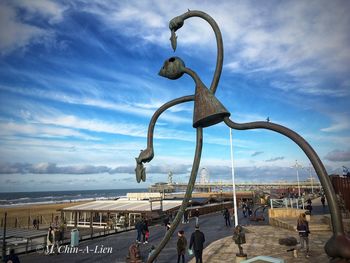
(233, 182)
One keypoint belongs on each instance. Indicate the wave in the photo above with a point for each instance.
(32, 198)
(18, 204)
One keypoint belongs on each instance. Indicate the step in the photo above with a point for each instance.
(315, 226)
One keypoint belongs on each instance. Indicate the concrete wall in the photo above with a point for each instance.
(280, 217)
(285, 212)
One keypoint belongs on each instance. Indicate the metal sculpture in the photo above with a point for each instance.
(208, 111)
(239, 238)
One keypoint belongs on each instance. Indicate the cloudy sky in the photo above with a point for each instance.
(79, 85)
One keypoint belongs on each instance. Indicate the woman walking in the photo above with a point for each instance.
(303, 229)
(145, 231)
(50, 241)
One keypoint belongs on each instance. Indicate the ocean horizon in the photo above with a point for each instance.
(8, 199)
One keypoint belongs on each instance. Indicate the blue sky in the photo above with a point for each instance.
(79, 84)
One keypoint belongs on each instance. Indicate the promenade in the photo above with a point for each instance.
(262, 239)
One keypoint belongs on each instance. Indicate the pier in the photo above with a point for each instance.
(227, 186)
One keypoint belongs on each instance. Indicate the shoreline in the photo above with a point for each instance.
(4, 206)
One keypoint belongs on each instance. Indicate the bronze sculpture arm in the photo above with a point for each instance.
(148, 154)
(191, 182)
(339, 244)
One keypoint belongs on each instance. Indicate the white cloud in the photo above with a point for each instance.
(338, 156)
(50, 10)
(138, 109)
(43, 131)
(340, 123)
(16, 33)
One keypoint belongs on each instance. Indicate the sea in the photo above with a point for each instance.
(52, 197)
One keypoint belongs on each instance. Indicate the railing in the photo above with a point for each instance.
(297, 203)
(342, 187)
(26, 245)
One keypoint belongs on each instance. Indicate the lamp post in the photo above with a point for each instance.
(311, 179)
(297, 166)
(222, 201)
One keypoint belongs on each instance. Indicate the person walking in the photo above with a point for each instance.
(166, 222)
(186, 216)
(139, 227)
(57, 239)
(227, 217)
(35, 223)
(323, 201)
(145, 231)
(244, 209)
(50, 240)
(250, 211)
(181, 246)
(303, 229)
(197, 242)
(196, 215)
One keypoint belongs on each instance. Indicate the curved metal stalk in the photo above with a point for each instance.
(219, 44)
(186, 199)
(339, 244)
(159, 112)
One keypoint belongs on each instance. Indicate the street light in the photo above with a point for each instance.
(297, 166)
(311, 179)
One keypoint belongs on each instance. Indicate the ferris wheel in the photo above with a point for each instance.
(204, 176)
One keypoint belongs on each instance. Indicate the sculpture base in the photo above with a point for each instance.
(241, 257)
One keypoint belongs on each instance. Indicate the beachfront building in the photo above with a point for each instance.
(118, 214)
(124, 212)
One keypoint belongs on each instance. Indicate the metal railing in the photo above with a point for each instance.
(297, 203)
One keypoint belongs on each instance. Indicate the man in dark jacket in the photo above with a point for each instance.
(12, 257)
(139, 228)
(227, 217)
(197, 241)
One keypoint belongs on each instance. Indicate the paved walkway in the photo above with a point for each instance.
(262, 239)
(212, 225)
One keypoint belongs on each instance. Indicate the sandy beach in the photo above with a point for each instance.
(25, 214)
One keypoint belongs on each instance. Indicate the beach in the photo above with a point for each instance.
(23, 207)
(23, 215)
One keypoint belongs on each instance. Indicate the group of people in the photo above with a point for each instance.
(195, 247)
(247, 210)
(142, 231)
(54, 238)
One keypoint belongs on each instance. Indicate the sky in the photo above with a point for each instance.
(79, 84)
